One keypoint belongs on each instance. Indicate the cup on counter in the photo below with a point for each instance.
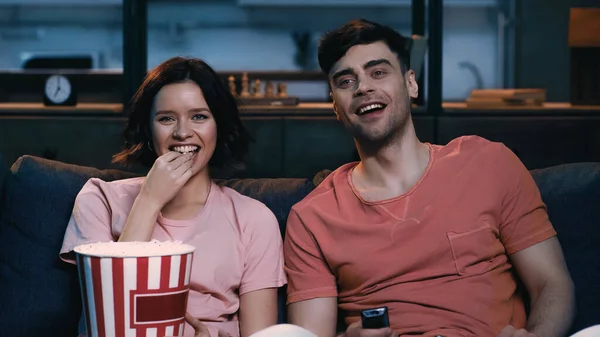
(134, 288)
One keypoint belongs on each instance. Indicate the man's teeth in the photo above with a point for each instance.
(185, 149)
(370, 107)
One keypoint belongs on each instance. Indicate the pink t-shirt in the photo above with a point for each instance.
(237, 239)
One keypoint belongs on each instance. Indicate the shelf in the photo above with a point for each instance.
(80, 109)
(547, 109)
(262, 3)
(61, 2)
(358, 3)
(306, 109)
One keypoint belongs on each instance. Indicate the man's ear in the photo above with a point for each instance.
(335, 107)
(411, 84)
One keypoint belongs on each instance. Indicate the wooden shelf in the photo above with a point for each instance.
(547, 109)
(40, 109)
(307, 109)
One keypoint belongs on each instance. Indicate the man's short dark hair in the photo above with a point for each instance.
(232, 138)
(336, 43)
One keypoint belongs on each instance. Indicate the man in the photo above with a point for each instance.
(438, 234)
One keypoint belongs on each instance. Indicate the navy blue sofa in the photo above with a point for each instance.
(39, 295)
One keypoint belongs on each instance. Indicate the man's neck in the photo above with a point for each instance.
(391, 170)
(190, 197)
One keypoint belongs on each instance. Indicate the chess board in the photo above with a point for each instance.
(255, 96)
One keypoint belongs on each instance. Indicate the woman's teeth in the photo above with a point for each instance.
(185, 149)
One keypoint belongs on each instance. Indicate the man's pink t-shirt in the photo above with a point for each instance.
(237, 239)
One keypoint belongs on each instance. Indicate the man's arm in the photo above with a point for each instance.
(318, 315)
(312, 289)
(543, 270)
(531, 244)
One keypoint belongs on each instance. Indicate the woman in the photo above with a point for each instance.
(183, 123)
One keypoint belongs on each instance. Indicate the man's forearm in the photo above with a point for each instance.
(553, 310)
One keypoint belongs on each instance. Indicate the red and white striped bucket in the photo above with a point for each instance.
(134, 289)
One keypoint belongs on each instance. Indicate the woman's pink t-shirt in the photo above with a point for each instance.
(237, 239)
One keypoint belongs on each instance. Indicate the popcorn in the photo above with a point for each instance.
(134, 249)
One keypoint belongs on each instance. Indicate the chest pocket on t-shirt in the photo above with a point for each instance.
(474, 251)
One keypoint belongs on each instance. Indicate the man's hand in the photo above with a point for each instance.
(510, 331)
(355, 330)
(200, 329)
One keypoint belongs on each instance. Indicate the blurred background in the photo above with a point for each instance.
(526, 73)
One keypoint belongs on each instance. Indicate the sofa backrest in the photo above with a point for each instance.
(42, 291)
(3, 174)
(572, 194)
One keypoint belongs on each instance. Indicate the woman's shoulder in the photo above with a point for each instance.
(248, 210)
(121, 187)
(242, 201)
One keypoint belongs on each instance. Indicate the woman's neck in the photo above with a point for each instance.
(190, 198)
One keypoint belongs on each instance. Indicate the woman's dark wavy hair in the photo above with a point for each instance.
(232, 138)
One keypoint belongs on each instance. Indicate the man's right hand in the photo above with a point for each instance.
(168, 174)
(356, 330)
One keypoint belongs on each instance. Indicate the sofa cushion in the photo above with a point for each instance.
(572, 195)
(41, 290)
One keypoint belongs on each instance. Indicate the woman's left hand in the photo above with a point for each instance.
(200, 329)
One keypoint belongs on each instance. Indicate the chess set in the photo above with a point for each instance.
(256, 96)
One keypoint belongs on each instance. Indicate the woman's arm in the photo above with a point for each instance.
(263, 270)
(141, 220)
(90, 220)
(164, 180)
(258, 310)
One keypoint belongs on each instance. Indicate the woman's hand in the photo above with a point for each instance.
(200, 329)
(166, 177)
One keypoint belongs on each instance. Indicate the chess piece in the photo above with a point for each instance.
(256, 92)
(269, 89)
(232, 87)
(245, 92)
(282, 89)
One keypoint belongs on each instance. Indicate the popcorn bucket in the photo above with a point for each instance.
(134, 288)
